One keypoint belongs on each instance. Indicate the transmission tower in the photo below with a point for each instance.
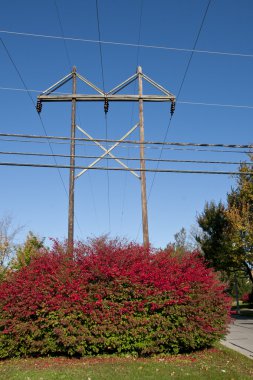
(106, 97)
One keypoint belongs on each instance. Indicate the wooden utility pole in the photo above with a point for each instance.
(72, 164)
(106, 97)
(142, 164)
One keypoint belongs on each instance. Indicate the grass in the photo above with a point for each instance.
(216, 363)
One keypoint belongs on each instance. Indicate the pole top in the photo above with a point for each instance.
(74, 69)
(139, 70)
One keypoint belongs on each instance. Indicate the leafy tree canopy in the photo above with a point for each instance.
(26, 251)
(227, 229)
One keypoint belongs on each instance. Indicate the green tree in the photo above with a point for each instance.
(214, 238)
(226, 239)
(8, 233)
(240, 215)
(26, 251)
(184, 242)
(180, 244)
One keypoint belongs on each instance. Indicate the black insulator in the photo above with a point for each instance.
(106, 105)
(39, 106)
(172, 107)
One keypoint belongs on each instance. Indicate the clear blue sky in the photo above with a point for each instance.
(36, 197)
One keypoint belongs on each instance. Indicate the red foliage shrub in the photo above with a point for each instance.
(247, 298)
(110, 297)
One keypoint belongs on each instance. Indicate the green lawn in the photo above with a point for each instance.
(218, 363)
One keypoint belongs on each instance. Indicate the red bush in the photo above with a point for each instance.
(247, 298)
(110, 297)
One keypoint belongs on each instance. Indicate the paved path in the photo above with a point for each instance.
(240, 336)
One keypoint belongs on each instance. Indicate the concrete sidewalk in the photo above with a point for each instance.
(240, 336)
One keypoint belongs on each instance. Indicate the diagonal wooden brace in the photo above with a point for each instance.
(107, 151)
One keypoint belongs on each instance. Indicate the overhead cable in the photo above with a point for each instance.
(244, 106)
(127, 44)
(179, 93)
(125, 183)
(193, 49)
(63, 36)
(180, 89)
(152, 147)
(134, 142)
(122, 169)
(34, 105)
(126, 158)
(106, 105)
(69, 65)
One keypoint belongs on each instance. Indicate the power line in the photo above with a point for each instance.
(215, 104)
(122, 169)
(78, 113)
(31, 98)
(17, 71)
(41, 121)
(106, 134)
(132, 108)
(128, 44)
(132, 147)
(62, 33)
(70, 67)
(178, 95)
(106, 121)
(126, 158)
(139, 33)
(134, 142)
(244, 106)
(19, 89)
(194, 47)
(100, 47)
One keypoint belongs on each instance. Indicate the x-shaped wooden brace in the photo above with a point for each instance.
(108, 151)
